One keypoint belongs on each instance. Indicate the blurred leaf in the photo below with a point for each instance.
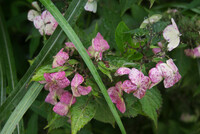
(39, 108)
(32, 127)
(51, 47)
(81, 113)
(81, 49)
(103, 112)
(126, 4)
(151, 2)
(120, 37)
(105, 71)
(21, 108)
(151, 102)
(35, 42)
(3, 81)
(72, 61)
(136, 56)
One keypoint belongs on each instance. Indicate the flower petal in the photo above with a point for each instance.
(155, 75)
(121, 105)
(75, 92)
(136, 76)
(123, 71)
(140, 93)
(172, 65)
(84, 90)
(67, 98)
(60, 58)
(128, 86)
(61, 109)
(77, 80)
(51, 98)
(112, 92)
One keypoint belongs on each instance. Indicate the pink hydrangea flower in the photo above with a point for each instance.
(99, 45)
(55, 81)
(116, 94)
(66, 100)
(168, 71)
(46, 24)
(60, 58)
(195, 53)
(77, 89)
(138, 83)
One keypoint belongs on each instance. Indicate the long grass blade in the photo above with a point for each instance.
(21, 108)
(74, 38)
(53, 43)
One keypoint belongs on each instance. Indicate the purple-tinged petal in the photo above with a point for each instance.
(145, 82)
(75, 92)
(51, 98)
(123, 71)
(112, 92)
(128, 86)
(42, 82)
(169, 82)
(60, 58)
(58, 75)
(84, 90)
(77, 80)
(99, 44)
(166, 70)
(69, 45)
(61, 109)
(121, 105)
(63, 83)
(189, 52)
(38, 22)
(47, 77)
(140, 93)
(118, 87)
(67, 98)
(156, 50)
(177, 77)
(136, 76)
(155, 75)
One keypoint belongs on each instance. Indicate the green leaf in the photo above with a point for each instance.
(39, 75)
(120, 37)
(103, 112)
(21, 108)
(126, 4)
(32, 124)
(3, 82)
(35, 42)
(81, 49)
(105, 71)
(7, 53)
(81, 113)
(51, 47)
(151, 2)
(151, 102)
(73, 62)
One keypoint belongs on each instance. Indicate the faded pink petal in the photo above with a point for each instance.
(155, 75)
(189, 52)
(145, 82)
(136, 76)
(77, 80)
(171, 64)
(121, 105)
(128, 86)
(75, 92)
(166, 70)
(60, 58)
(47, 77)
(51, 98)
(69, 45)
(61, 109)
(32, 14)
(140, 93)
(169, 82)
(84, 90)
(67, 98)
(123, 71)
(99, 44)
(63, 83)
(118, 87)
(38, 22)
(112, 92)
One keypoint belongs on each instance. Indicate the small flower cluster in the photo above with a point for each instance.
(99, 45)
(138, 83)
(195, 53)
(56, 83)
(44, 22)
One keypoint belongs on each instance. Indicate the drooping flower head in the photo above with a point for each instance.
(60, 58)
(116, 94)
(77, 89)
(91, 6)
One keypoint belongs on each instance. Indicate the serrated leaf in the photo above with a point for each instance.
(151, 102)
(120, 37)
(81, 113)
(133, 106)
(103, 112)
(39, 75)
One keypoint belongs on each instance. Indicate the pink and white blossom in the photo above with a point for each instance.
(195, 53)
(60, 58)
(122, 71)
(116, 94)
(61, 108)
(77, 89)
(91, 6)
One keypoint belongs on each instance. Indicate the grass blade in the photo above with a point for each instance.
(74, 38)
(21, 108)
(53, 43)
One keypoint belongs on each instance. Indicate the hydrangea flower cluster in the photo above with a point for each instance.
(44, 22)
(195, 53)
(56, 83)
(138, 83)
(99, 45)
